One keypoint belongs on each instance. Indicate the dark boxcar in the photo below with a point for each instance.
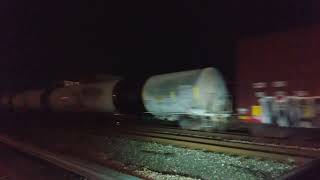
(278, 78)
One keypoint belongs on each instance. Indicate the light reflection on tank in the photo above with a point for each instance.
(197, 99)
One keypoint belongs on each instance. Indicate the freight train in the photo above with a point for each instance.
(196, 99)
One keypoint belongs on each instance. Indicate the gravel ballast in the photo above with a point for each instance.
(197, 164)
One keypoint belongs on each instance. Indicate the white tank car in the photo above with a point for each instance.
(198, 99)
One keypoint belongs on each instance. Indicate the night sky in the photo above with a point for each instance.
(44, 41)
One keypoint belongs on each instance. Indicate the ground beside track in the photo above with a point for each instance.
(15, 165)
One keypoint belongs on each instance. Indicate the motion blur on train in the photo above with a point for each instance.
(195, 99)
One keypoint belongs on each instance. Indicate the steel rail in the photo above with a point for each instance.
(226, 136)
(219, 145)
(196, 133)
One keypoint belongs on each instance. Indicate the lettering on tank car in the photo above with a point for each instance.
(196, 92)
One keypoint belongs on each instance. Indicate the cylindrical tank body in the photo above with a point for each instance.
(5, 101)
(195, 93)
(18, 101)
(98, 96)
(65, 99)
(86, 97)
(33, 99)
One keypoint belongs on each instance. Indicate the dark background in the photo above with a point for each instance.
(44, 41)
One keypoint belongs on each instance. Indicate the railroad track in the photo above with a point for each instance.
(200, 134)
(235, 137)
(225, 143)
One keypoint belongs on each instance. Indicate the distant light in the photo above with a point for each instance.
(242, 110)
(64, 98)
(279, 84)
(301, 93)
(70, 83)
(259, 85)
(259, 94)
